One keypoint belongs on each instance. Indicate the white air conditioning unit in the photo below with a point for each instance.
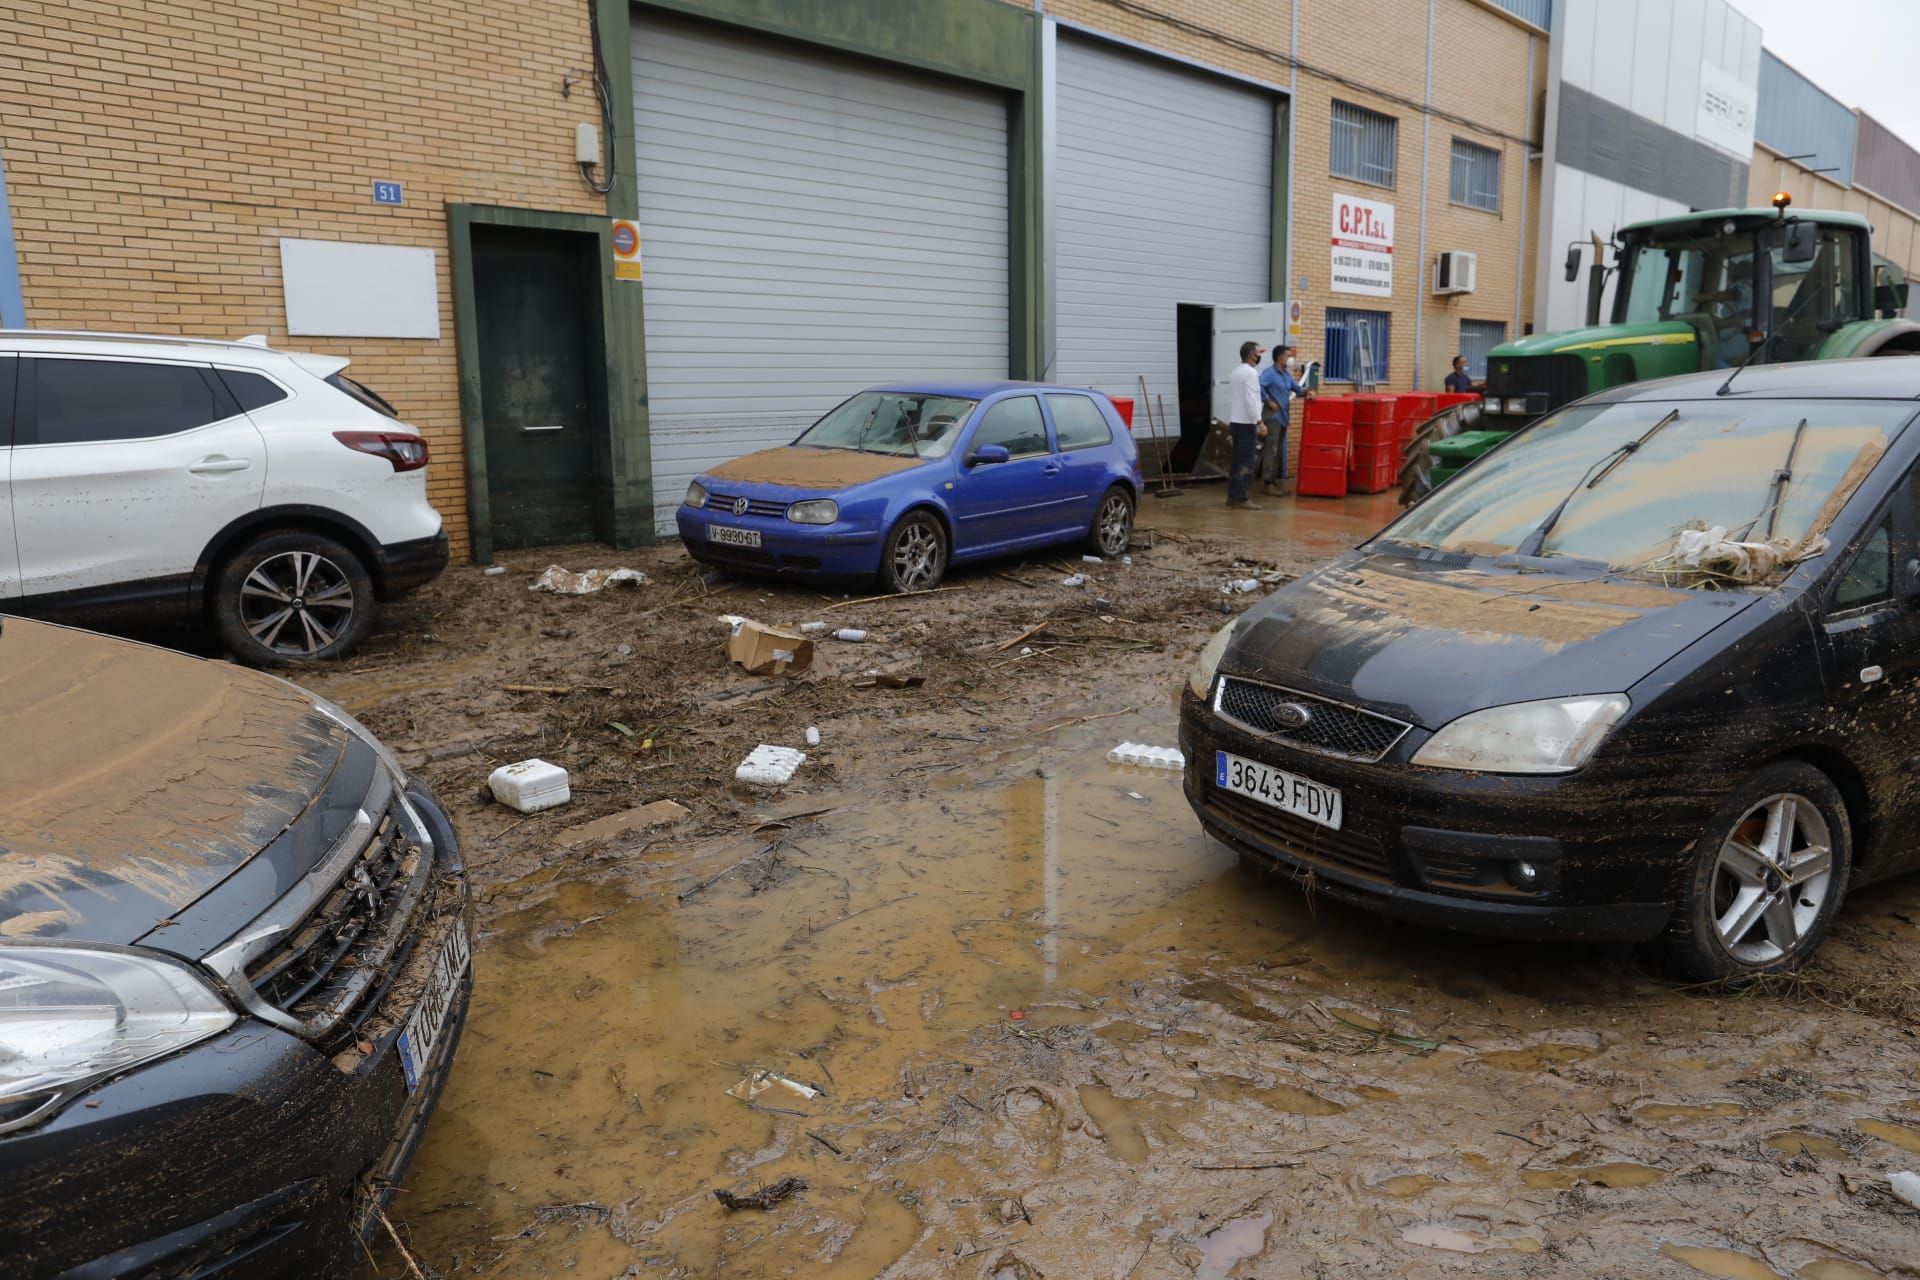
(1454, 272)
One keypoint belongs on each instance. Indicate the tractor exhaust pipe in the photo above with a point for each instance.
(1596, 281)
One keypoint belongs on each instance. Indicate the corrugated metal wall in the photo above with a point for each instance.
(1163, 193)
(811, 224)
(1886, 166)
(1799, 118)
(1538, 12)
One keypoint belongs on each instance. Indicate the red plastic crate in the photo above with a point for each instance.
(1377, 476)
(1419, 405)
(1378, 434)
(1374, 408)
(1124, 406)
(1323, 482)
(1333, 410)
(1320, 455)
(1447, 399)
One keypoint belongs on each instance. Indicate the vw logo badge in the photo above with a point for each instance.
(739, 506)
(1291, 715)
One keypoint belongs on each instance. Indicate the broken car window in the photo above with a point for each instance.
(904, 423)
(1712, 467)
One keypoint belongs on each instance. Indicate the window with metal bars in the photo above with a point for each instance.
(1477, 337)
(1364, 145)
(1346, 329)
(1476, 176)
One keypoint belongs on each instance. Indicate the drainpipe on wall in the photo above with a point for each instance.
(13, 309)
(1426, 156)
(1526, 169)
(1293, 140)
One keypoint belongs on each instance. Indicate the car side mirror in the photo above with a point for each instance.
(988, 454)
(1801, 243)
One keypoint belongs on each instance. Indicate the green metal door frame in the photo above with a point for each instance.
(624, 476)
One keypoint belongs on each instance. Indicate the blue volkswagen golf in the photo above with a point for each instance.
(899, 482)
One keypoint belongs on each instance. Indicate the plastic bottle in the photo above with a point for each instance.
(852, 635)
(812, 628)
(813, 736)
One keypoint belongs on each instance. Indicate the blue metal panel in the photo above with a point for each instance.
(1538, 12)
(1799, 118)
(13, 309)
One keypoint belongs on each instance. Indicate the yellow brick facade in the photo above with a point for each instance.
(157, 152)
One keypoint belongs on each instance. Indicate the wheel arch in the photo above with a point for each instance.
(933, 508)
(1873, 338)
(297, 517)
(1848, 780)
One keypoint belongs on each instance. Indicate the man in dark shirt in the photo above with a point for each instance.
(1460, 379)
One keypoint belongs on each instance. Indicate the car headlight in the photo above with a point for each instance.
(72, 1015)
(1516, 404)
(1200, 679)
(696, 495)
(816, 511)
(1555, 736)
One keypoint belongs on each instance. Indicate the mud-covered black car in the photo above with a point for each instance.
(233, 966)
(1649, 671)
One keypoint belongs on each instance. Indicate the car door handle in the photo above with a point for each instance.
(557, 426)
(216, 464)
(1052, 468)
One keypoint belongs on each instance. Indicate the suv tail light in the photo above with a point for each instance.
(405, 452)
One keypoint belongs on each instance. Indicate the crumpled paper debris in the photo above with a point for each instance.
(586, 582)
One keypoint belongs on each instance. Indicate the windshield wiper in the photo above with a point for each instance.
(1604, 467)
(1781, 479)
(860, 445)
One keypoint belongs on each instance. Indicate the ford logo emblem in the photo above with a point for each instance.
(1291, 715)
(739, 506)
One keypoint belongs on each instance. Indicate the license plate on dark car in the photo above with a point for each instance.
(428, 1021)
(1287, 792)
(733, 537)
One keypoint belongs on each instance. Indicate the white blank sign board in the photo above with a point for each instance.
(339, 289)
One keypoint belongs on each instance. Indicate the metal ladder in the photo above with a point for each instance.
(1363, 381)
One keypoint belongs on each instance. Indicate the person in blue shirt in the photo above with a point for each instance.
(1278, 386)
(1460, 379)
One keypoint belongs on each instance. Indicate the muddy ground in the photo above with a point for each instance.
(1044, 1028)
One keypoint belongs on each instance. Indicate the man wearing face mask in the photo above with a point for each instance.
(1278, 386)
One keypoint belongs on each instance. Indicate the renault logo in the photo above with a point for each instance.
(1291, 715)
(739, 506)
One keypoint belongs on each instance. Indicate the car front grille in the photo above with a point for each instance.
(727, 504)
(1308, 840)
(1307, 722)
(328, 973)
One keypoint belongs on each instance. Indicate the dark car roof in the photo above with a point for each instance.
(1874, 378)
(975, 390)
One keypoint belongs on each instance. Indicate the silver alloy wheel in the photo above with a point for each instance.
(1115, 527)
(917, 557)
(296, 603)
(1772, 879)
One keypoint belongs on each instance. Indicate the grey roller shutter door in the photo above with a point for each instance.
(811, 224)
(1163, 194)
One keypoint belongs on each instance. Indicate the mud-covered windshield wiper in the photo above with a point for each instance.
(1599, 471)
(1781, 479)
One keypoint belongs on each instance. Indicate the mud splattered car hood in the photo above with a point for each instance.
(134, 780)
(1429, 642)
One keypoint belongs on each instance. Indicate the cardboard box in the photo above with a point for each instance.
(767, 651)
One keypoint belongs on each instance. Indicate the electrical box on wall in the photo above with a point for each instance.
(586, 144)
(1454, 272)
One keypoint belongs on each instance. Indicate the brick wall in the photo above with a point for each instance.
(157, 152)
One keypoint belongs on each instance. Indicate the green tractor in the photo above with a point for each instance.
(1697, 291)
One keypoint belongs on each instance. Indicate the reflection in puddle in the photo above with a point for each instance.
(1836, 1269)
(1116, 1122)
(1666, 1112)
(1405, 1186)
(1235, 1242)
(1616, 1176)
(1721, 1262)
(1537, 1057)
(1436, 1235)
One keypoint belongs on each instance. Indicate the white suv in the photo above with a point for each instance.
(261, 492)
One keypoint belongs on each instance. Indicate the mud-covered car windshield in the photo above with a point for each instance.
(1626, 480)
(897, 422)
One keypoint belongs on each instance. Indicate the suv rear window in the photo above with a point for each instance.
(80, 401)
(251, 390)
(364, 394)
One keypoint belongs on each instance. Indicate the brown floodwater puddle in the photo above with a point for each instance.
(1724, 1263)
(1616, 1175)
(1835, 1269)
(1667, 1112)
(1900, 1135)
(1806, 1144)
(588, 1120)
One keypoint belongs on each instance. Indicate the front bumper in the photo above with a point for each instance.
(249, 1155)
(405, 566)
(838, 550)
(1441, 848)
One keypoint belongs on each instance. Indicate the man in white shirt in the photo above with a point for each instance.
(1243, 421)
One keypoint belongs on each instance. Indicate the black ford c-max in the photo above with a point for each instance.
(233, 966)
(1648, 671)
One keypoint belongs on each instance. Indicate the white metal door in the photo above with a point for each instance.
(811, 224)
(97, 512)
(9, 558)
(1163, 194)
(1260, 322)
